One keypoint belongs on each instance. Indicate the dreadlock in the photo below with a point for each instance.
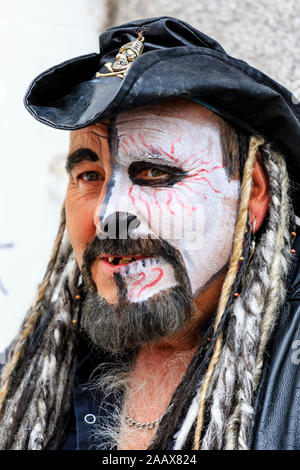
(36, 381)
(213, 404)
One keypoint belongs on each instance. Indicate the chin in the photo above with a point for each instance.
(125, 326)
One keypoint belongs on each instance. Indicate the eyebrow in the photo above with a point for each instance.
(155, 156)
(82, 154)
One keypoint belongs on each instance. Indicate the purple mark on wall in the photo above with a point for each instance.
(2, 287)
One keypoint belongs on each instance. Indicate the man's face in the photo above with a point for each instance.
(158, 170)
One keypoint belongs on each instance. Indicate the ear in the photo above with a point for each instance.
(259, 198)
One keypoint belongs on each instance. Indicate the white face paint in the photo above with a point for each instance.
(199, 200)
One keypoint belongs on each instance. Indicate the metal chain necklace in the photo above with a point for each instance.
(142, 426)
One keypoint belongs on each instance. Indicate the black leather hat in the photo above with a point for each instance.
(173, 59)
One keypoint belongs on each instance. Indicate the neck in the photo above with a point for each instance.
(156, 373)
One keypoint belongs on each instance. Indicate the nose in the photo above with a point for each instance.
(119, 225)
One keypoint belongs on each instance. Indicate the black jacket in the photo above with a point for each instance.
(277, 408)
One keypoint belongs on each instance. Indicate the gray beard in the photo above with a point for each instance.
(126, 326)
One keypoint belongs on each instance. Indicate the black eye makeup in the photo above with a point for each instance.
(155, 175)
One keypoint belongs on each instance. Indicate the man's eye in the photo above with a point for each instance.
(148, 174)
(151, 173)
(89, 176)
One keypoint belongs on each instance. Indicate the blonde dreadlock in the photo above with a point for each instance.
(231, 275)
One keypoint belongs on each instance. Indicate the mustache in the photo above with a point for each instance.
(149, 247)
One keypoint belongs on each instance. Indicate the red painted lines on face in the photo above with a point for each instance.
(137, 288)
(169, 197)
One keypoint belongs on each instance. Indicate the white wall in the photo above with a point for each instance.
(34, 35)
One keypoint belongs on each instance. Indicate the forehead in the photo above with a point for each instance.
(178, 120)
(89, 137)
(178, 113)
